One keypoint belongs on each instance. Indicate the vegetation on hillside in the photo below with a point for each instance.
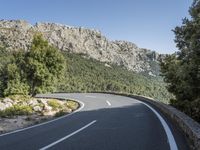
(89, 75)
(41, 68)
(182, 70)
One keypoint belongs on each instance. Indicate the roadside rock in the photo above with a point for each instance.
(33, 102)
(5, 103)
(7, 100)
(69, 110)
(8, 104)
(2, 106)
(1, 130)
(37, 108)
(40, 111)
(47, 108)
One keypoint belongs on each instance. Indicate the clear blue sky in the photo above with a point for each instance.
(148, 23)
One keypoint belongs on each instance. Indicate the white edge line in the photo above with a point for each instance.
(40, 124)
(108, 103)
(171, 140)
(68, 136)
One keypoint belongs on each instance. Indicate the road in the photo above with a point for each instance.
(103, 122)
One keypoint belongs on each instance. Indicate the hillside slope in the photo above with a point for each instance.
(18, 34)
(89, 75)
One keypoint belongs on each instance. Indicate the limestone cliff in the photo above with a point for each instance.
(18, 34)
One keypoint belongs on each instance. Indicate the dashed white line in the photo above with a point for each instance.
(90, 96)
(109, 104)
(68, 136)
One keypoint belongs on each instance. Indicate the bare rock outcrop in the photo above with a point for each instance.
(18, 34)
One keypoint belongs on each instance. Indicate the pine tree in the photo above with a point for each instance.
(182, 70)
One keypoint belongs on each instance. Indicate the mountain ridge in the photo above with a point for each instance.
(18, 34)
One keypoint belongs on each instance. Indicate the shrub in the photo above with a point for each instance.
(20, 97)
(16, 87)
(71, 104)
(54, 104)
(16, 110)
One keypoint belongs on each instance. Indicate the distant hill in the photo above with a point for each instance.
(18, 34)
(90, 75)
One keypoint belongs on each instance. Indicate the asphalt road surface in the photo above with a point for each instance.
(103, 122)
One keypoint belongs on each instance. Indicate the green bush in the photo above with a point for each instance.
(71, 104)
(16, 110)
(20, 97)
(54, 104)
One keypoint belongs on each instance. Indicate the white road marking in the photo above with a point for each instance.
(171, 140)
(68, 136)
(109, 104)
(90, 96)
(37, 125)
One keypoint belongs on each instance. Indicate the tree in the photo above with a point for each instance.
(182, 70)
(15, 83)
(36, 71)
(12, 76)
(44, 66)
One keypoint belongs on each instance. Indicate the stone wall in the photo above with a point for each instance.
(190, 127)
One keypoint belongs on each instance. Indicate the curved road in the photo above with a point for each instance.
(104, 122)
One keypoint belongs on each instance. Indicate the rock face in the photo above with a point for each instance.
(18, 34)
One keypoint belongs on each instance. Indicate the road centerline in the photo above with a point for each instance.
(68, 136)
(109, 104)
(90, 96)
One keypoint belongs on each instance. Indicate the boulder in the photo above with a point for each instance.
(8, 104)
(2, 106)
(47, 108)
(1, 130)
(45, 104)
(37, 108)
(7, 100)
(32, 102)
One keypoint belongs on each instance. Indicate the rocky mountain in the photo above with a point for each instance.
(18, 34)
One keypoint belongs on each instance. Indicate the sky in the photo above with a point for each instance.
(147, 23)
